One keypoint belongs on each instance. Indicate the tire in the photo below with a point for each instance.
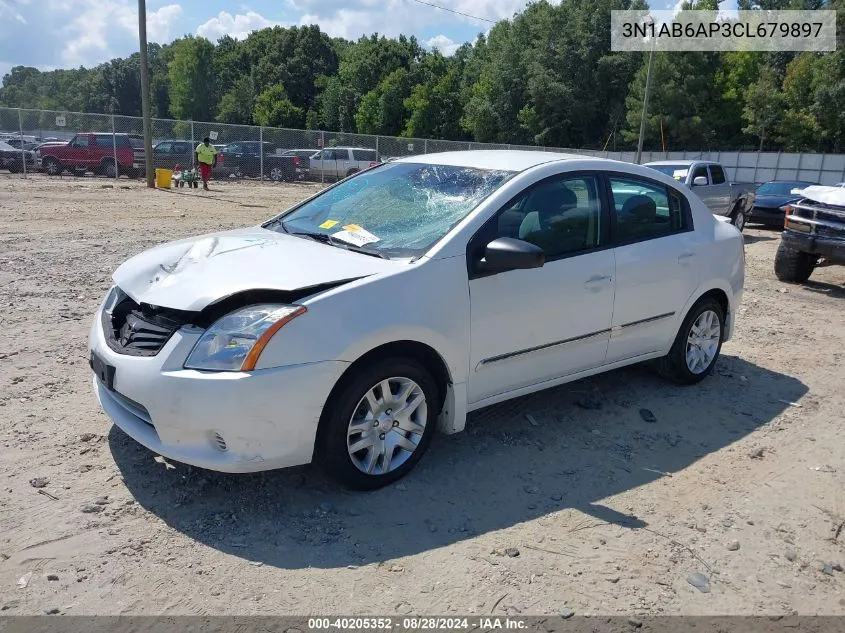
(349, 405)
(107, 167)
(351, 171)
(739, 218)
(51, 166)
(79, 173)
(792, 265)
(682, 364)
(14, 168)
(277, 174)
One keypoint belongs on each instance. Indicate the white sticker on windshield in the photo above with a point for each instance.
(679, 174)
(357, 236)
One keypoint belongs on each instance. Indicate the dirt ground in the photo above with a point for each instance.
(567, 500)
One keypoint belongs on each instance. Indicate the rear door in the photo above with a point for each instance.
(656, 269)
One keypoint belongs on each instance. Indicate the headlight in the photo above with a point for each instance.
(234, 342)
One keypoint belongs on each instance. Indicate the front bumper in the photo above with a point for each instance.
(831, 249)
(226, 421)
(763, 215)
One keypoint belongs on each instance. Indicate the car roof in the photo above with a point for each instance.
(684, 163)
(509, 160)
(809, 182)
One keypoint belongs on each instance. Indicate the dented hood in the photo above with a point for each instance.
(193, 273)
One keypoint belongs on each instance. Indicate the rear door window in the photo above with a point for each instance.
(364, 155)
(644, 210)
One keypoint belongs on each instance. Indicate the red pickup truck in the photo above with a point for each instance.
(93, 151)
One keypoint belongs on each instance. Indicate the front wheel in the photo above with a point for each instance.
(378, 425)
(792, 265)
(52, 166)
(697, 344)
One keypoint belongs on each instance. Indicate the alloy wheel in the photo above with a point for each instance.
(703, 341)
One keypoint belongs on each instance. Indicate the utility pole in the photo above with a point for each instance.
(645, 97)
(145, 94)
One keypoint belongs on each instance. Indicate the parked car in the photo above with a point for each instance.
(168, 154)
(92, 151)
(814, 233)
(243, 159)
(707, 179)
(771, 200)
(348, 327)
(13, 159)
(334, 163)
(17, 141)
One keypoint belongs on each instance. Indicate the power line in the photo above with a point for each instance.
(466, 15)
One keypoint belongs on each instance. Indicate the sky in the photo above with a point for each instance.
(50, 34)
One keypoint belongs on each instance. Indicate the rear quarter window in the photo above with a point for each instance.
(364, 154)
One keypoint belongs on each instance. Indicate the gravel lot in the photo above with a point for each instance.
(564, 500)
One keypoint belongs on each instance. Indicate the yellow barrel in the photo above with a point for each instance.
(163, 178)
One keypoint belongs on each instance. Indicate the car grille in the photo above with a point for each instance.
(139, 329)
(820, 219)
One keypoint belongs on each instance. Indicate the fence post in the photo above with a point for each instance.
(114, 149)
(23, 151)
(756, 165)
(377, 137)
(322, 150)
(261, 151)
(777, 166)
(425, 146)
(193, 146)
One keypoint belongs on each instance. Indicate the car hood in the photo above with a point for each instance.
(193, 273)
(769, 201)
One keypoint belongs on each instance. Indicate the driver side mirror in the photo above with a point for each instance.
(507, 253)
(699, 181)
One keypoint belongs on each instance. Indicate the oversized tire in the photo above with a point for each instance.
(792, 265)
(51, 166)
(739, 217)
(378, 424)
(697, 344)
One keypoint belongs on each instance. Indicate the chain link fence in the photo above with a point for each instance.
(112, 146)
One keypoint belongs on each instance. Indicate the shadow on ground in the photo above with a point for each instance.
(837, 291)
(582, 443)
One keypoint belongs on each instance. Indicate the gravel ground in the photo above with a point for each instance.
(730, 500)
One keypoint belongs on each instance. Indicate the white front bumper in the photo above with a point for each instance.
(267, 418)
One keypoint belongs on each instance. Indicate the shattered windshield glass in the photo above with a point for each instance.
(395, 210)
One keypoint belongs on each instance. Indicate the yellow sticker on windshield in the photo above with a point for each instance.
(328, 224)
(352, 227)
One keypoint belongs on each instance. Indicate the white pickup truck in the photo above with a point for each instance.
(708, 181)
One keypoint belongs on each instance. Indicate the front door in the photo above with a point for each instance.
(532, 326)
(656, 268)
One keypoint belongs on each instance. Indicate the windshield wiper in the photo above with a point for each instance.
(325, 238)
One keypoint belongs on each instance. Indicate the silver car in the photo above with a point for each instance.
(334, 163)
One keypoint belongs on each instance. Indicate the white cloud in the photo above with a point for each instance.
(445, 45)
(238, 26)
(160, 21)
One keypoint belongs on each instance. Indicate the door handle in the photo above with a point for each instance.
(597, 280)
(685, 258)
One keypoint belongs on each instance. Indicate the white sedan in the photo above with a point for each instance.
(347, 329)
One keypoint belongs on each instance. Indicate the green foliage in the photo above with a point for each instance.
(273, 108)
(191, 74)
(546, 77)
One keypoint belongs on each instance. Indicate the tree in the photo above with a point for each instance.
(763, 105)
(274, 109)
(382, 110)
(237, 105)
(191, 74)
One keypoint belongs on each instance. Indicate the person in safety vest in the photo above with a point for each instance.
(206, 155)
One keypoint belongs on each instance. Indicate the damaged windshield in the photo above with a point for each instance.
(395, 210)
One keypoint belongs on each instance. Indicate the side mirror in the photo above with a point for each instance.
(699, 181)
(507, 253)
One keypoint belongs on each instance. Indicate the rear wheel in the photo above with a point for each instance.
(108, 168)
(351, 171)
(277, 174)
(14, 168)
(697, 345)
(52, 166)
(792, 265)
(738, 218)
(378, 425)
